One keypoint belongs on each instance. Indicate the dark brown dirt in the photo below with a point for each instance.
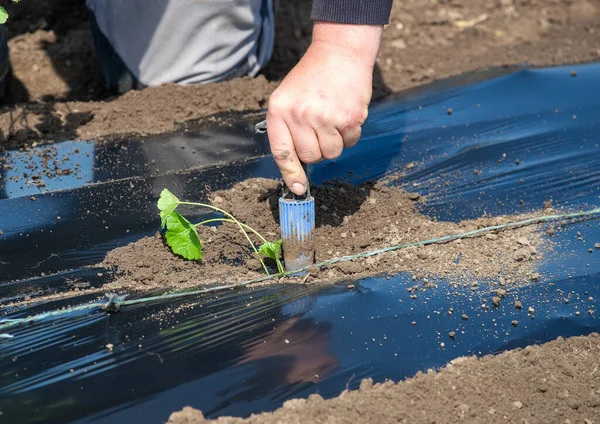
(557, 382)
(352, 219)
(56, 73)
(57, 93)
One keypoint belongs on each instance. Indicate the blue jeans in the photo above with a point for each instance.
(117, 76)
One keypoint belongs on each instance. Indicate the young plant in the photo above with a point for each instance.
(183, 239)
(4, 13)
(272, 250)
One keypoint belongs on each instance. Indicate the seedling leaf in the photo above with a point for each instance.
(270, 249)
(3, 15)
(167, 203)
(182, 237)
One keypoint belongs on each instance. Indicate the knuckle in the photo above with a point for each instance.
(356, 117)
(280, 153)
(278, 104)
(300, 112)
(363, 115)
(322, 117)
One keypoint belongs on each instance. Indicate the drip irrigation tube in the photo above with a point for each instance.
(115, 302)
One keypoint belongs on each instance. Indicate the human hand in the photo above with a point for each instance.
(320, 106)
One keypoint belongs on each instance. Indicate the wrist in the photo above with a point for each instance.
(357, 42)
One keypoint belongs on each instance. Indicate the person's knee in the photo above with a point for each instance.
(117, 77)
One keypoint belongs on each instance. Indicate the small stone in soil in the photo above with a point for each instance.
(410, 166)
(573, 73)
(442, 345)
(414, 323)
(452, 334)
(414, 196)
(350, 286)
(465, 316)
(518, 404)
(110, 346)
(496, 300)
(530, 310)
(518, 304)
(535, 276)
(597, 245)
(501, 292)
(449, 111)
(515, 322)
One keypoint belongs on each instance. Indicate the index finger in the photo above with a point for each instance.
(284, 153)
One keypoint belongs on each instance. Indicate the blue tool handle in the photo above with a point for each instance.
(297, 222)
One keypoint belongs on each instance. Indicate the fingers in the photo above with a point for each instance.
(351, 135)
(331, 142)
(310, 130)
(305, 142)
(284, 153)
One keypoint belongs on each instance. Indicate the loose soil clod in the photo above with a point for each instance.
(370, 216)
(461, 392)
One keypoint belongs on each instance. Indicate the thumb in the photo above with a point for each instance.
(284, 153)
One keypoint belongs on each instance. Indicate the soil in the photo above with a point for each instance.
(557, 382)
(57, 91)
(351, 219)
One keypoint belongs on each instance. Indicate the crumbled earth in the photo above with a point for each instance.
(558, 382)
(58, 91)
(352, 219)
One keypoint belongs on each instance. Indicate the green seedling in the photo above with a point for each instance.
(4, 13)
(183, 239)
(272, 250)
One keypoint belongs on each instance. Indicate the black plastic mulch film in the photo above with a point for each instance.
(242, 351)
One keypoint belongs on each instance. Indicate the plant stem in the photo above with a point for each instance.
(259, 235)
(239, 224)
(279, 266)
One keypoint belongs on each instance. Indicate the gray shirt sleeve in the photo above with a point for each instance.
(364, 12)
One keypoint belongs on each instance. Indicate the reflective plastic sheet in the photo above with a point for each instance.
(532, 135)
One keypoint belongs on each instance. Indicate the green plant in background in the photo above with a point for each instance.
(4, 13)
(183, 239)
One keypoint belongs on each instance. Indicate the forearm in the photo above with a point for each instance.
(319, 108)
(357, 42)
